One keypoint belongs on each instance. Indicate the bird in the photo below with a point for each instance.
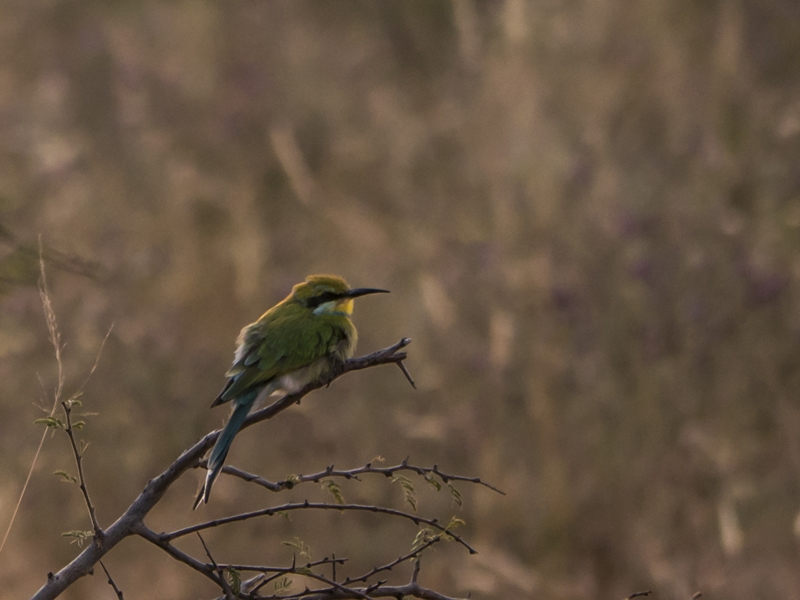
(301, 339)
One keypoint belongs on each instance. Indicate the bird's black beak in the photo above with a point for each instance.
(364, 291)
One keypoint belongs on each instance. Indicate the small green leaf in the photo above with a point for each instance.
(234, 579)
(408, 490)
(301, 547)
(79, 537)
(456, 495)
(433, 481)
(74, 401)
(79, 425)
(66, 476)
(454, 522)
(52, 422)
(304, 571)
(423, 536)
(334, 489)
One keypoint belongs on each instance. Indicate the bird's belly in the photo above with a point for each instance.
(299, 378)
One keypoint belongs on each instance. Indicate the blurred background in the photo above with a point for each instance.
(588, 214)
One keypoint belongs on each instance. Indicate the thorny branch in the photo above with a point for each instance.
(369, 468)
(78, 454)
(397, 561)
(339, 589)
(343, 589)
(131, 522)
(274, 510)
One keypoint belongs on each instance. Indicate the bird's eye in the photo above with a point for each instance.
(322, 298)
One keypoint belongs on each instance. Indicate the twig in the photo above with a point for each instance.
(254, 585)
(415, 574)
(285, 570)
(131, 522)
(156, 539)
(78, 454)
(402, 366)
(401, 559)
(381, 591)
(225, 587)
(340, 591)
(268, 512)
(638, 594)
(117, 591)
(290, 482)
(336, 586)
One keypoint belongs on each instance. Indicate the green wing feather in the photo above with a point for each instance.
(280, 342)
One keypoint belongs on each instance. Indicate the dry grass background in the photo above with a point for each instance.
(588, 214)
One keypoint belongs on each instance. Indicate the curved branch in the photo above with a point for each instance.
(274, 510)
(132, 520)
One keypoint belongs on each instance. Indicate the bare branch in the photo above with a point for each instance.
(337, 587)
(403, 368)
(401, 559)
(285, 570)
(344, 591)
(98, 532)
(415, 574)
(131, 522)
(290, 482)
(268, 512)
(111, 582)
(201, 567)
(382, 591)
(229, 595)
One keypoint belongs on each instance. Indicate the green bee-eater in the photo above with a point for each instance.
(297, 341)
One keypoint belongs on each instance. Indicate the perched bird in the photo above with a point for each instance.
(297, 341)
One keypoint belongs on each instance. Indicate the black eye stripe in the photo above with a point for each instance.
(322, 298)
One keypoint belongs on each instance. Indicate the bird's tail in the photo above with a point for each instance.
(217, 457)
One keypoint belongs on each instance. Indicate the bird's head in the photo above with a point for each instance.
(329, 294)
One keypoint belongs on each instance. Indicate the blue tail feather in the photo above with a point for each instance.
(216, 459)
